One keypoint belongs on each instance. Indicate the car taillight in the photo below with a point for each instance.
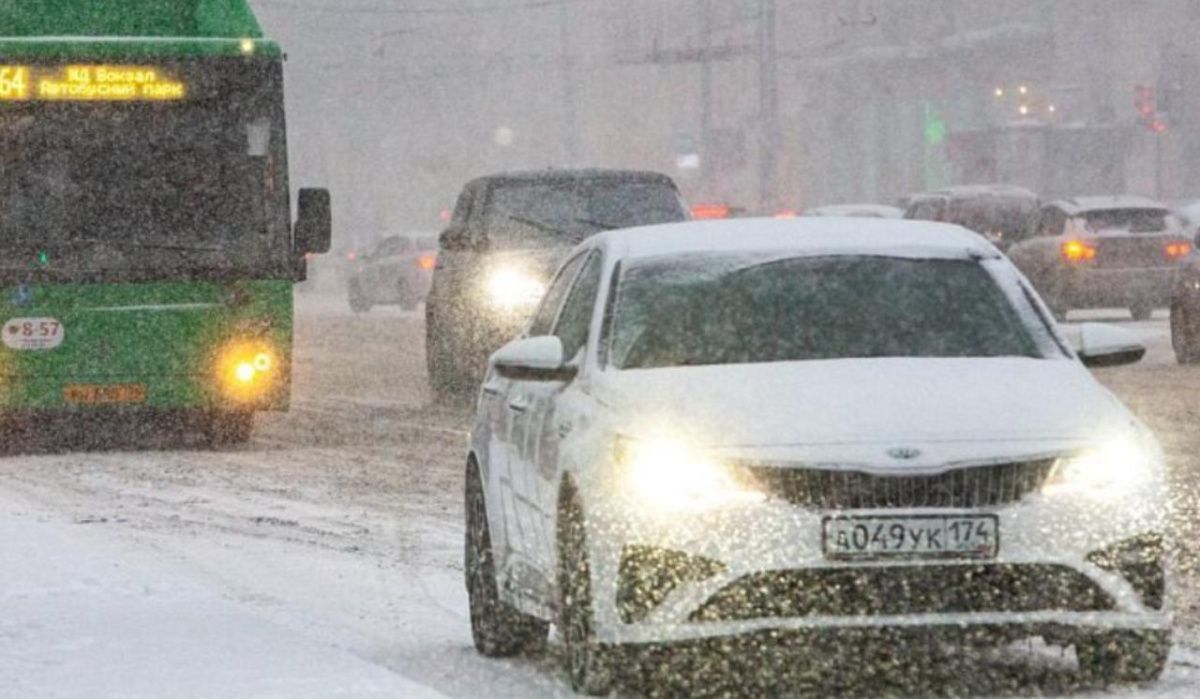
(427, 261)
(1178, 250)
(705, 212)
(1077, 251)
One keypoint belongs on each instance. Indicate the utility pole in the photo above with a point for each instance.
(570, 113)
(768, 104)
(706, 81)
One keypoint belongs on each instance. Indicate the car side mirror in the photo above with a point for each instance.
(533, 359)
(455, 238)
(313, 232)
(1102, 345)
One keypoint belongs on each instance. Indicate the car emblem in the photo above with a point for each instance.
(22, 297)
(904, 453)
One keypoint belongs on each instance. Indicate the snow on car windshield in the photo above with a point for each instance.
(700, 310)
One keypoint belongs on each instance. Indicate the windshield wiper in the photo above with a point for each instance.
(599, 224)
(540, 225)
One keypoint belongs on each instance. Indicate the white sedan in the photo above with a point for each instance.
(715, 429)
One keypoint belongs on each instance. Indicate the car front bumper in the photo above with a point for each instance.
(762, 567)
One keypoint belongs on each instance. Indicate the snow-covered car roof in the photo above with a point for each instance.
(856, 210)
(803, 236)
(1078, 205)
(979, 190)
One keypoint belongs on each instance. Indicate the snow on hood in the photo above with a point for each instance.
(855, 410)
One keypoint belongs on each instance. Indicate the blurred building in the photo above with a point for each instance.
(762, 104)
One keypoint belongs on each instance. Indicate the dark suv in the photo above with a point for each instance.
(508, 234)
(998, 212)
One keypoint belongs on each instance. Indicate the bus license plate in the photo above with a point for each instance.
(106, 394)
(932, 536)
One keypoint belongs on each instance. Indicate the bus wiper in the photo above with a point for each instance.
(177, 248)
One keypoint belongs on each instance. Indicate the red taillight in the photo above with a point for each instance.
(1078, 251)
(702, 212)
(427, 261)
(352, 256)
(787, 213)
(1178, 250)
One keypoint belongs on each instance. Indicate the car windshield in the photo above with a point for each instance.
(1131, 220)
(736, 310)
(553, 214)
(1007, 216)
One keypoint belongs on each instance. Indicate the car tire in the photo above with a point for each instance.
(359, 303)
(229, 428)
(498, 630)
(589, 664)
(1185, 335)
(1141, 311)
(1123, 657)
(445, 377)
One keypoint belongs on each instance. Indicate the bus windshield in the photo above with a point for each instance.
(110, 188)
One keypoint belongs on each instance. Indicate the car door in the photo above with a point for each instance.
(506, 405)
(554, 413)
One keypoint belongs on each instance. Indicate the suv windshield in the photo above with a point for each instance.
(736, 309)
(1132, 220)
(551, 214)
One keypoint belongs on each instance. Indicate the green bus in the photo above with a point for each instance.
(147, 251)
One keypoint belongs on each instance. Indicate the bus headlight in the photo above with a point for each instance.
(668, 476)
(246, 370)
(511, 289)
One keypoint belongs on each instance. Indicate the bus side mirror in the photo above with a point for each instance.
(314, 222)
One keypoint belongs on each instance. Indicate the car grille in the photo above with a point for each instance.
(977, 486)
(899, 590)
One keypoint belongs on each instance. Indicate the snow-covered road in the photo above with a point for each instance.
(323, 560)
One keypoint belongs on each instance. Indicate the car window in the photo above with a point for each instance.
(391, 246)
(543, 320)
(740, 309)
(1131, 220)
(462, 210)
(576, 317)
(1052, 223)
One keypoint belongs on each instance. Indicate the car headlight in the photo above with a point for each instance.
(668, 476)
(1109, 469)
(512, 289)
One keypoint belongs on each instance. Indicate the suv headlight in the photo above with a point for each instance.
(669, 476)
(1107, 470)
(512, 289)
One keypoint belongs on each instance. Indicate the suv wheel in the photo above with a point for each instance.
(1141, 310)
(498, 630)
(1123, 656)
(1185, 335)
(589, 664)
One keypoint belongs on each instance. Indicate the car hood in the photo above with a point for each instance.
(934, 411)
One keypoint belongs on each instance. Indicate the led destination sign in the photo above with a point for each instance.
(88, 83)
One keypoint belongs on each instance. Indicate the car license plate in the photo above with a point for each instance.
(931, 536)
(105, 394)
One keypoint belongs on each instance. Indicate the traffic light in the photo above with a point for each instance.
(1146, 104)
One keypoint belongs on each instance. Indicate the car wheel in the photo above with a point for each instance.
(498, 630)
(359, 303)
(229, 428)
(445, 377)
(1185, 335)
(1141, 311)
(589, 664)
(1123, 656)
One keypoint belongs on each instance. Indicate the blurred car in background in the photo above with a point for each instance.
(709, 212)
(998, 212)
(1103, 252)
(398, 271)
(507, 235)
(856, 211)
